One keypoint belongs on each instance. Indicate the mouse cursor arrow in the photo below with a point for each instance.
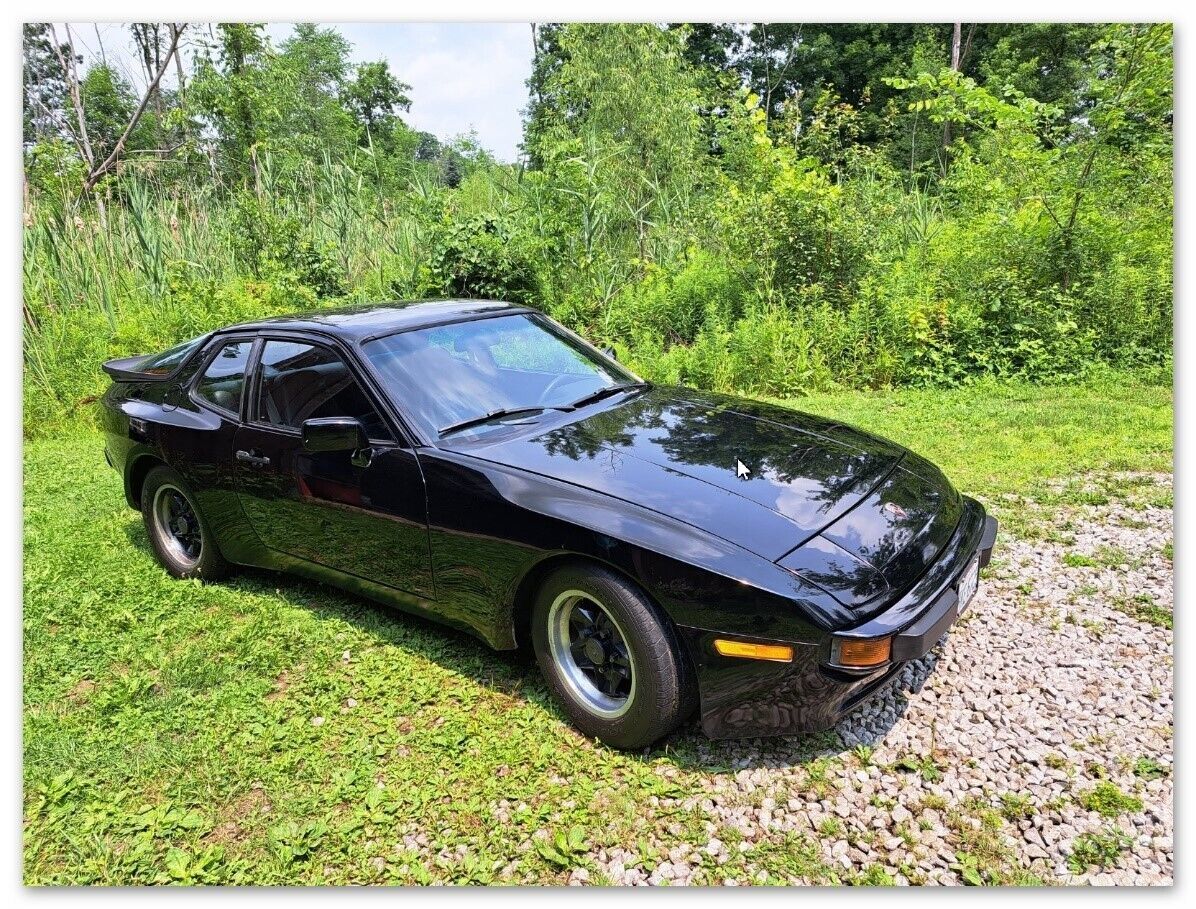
(741, 470)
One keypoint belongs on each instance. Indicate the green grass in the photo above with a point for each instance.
(267, 730)
(1144, 608)
(999, 438)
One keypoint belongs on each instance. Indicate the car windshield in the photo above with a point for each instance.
(449, 376)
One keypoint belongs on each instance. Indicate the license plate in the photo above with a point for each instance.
(967, 583)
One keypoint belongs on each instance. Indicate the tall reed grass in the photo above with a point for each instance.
(151, 260)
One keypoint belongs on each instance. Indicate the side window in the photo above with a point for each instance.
(302, 381)
(224, 379)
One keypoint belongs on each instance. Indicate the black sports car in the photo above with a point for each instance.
(660, 549)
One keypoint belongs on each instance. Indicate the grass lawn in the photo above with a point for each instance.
(267, 730)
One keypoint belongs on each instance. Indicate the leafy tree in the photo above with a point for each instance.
(543, 107)
(44, 83)
(230, 91)
(308, 78)
(624, 105)
(109, 103)
(1047, 61)
(375, 97)
(289, 102)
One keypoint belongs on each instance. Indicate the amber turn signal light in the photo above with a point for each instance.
(863, 654)
(776, 653)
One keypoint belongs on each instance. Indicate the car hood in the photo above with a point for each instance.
(763, 477)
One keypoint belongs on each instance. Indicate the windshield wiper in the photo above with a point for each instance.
(492, 415)
(606, 393)
(502, 412)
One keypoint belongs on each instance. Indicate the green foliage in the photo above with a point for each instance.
(861, 216)
(273, 245)
(873, 876)
(923, 764)
(675, 304)
(1147, 768)
(562, 848)
(109, 102)
(1108, 800)
(1099, 850)
(481, 256)
(1016, 806)
(297, 842)
(375, 97)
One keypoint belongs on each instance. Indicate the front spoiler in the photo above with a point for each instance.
(748, 698)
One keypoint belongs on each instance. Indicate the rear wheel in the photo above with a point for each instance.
(611, 660)
(177, 530)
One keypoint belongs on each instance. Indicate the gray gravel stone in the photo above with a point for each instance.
(1042, 689)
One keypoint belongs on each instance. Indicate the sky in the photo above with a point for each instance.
(463, 75)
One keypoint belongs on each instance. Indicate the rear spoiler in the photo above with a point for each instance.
(125, 370)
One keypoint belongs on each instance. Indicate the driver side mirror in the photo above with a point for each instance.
(610, 352)
(334, 434)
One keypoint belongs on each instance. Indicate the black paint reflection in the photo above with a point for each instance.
(801, 467)
(848, 578)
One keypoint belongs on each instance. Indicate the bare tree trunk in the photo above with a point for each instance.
(967, 46)
(956, 40)
(767, 73)
(175, 32)
(71, 76)
(104, 166)
(148, 38)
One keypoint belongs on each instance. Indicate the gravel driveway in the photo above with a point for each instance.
(1037, 738)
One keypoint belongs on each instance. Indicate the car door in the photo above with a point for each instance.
(364, 514)
(196, 429)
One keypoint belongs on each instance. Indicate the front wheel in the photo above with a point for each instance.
(177, 530)
(610, 660)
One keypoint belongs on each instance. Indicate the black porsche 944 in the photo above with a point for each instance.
(661, 550)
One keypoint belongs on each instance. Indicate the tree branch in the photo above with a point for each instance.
(58, 120)
(104, 166)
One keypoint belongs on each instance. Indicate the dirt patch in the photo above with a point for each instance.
(81, 691)
(238, 817)
(281, 684)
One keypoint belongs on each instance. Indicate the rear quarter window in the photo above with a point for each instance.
(223, 381)
(166, 362)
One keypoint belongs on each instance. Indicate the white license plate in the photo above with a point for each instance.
(967, 583)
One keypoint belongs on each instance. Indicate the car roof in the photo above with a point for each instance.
(361, 321)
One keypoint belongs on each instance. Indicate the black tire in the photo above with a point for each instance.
(185, 546)
(636, 712)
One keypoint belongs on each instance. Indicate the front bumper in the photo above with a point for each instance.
(747, 698)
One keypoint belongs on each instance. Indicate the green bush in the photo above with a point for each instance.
(65, 351)
(675, 304)
(482, 256)
(274, 245)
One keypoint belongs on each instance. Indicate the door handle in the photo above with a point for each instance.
(250, 458)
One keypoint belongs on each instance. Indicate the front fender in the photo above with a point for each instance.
(698, 579)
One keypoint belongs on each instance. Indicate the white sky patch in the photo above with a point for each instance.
(463, 75)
